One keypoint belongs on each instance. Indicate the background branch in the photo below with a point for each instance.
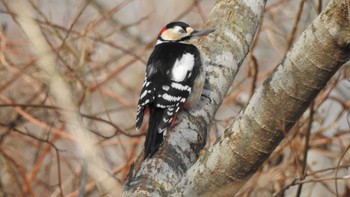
(61, 92)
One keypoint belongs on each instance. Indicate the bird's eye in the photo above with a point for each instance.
(182, 31)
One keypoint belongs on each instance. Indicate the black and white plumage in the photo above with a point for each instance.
(174, 76)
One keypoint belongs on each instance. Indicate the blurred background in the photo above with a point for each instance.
(101, 48)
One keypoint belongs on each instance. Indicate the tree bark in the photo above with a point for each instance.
(274, 108)
(236, 22)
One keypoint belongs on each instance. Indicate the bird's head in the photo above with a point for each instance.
(179, 32)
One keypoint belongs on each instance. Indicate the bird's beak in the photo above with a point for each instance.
(196, 33)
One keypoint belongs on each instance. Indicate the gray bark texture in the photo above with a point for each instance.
(177, 169)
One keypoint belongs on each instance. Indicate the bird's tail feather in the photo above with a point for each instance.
(153, 137)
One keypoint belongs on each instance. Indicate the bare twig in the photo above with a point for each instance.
(306, 148)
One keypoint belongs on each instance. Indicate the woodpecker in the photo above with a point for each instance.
(174, 79)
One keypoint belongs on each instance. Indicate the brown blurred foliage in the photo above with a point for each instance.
(101, 48)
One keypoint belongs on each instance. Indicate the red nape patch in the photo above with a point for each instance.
(161, 31)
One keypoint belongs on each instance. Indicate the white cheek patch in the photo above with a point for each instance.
(169, 35)
(182, 67)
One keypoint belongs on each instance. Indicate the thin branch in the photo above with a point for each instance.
(306, 148)
(337, 168)
(295, 25)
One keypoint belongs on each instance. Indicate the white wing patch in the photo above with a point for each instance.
(171, 98)
(182, 67)
(143, 94)
(165, 87)
(181, 87)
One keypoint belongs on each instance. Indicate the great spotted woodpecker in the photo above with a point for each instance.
(174, 79)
